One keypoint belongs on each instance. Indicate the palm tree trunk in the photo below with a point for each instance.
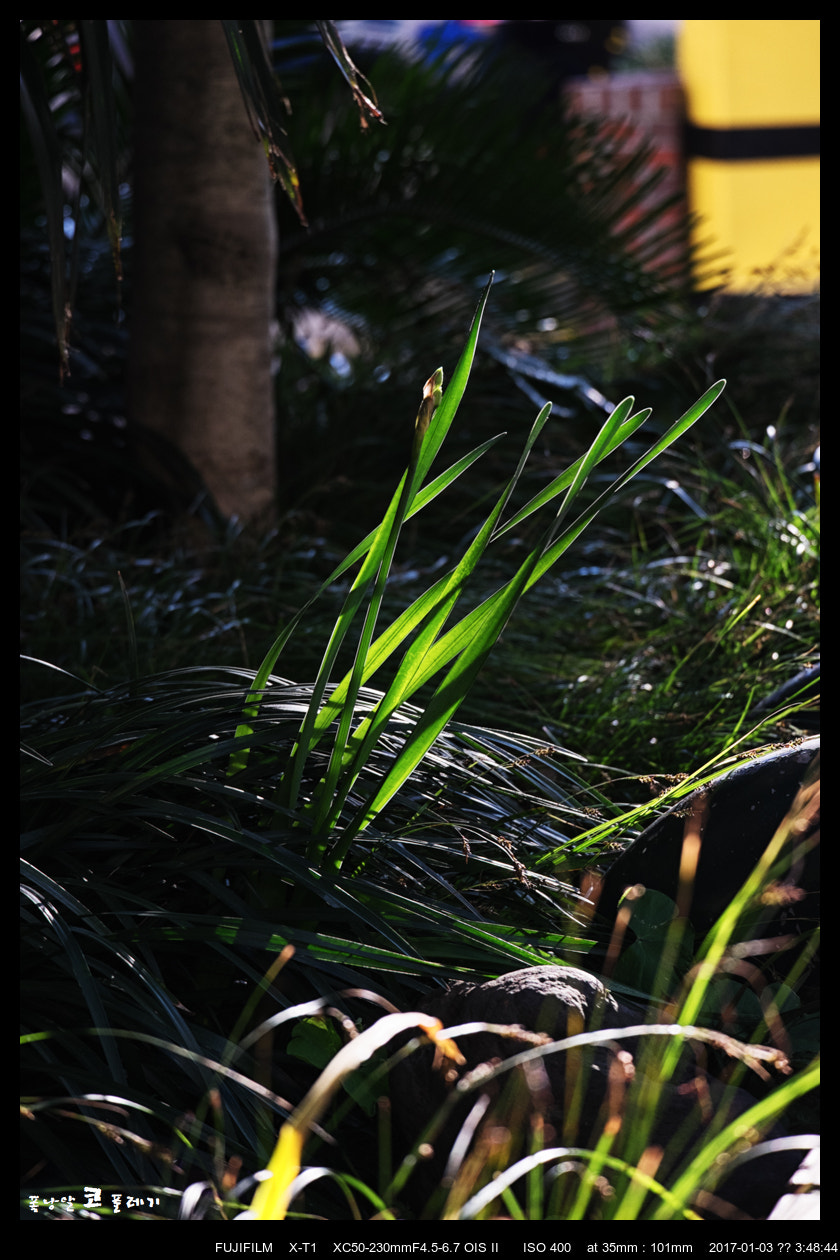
(200, 360)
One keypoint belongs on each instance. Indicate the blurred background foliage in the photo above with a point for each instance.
(476, 170)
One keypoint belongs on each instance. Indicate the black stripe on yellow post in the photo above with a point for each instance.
(752, 146)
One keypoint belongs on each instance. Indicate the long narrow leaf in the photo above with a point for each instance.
(264, 103)
(372, 577)
(432, 394)
(422, 460)
(363, 93)
(631, 424)
(469, 644)
(476, 621)
(261, 678)
(406, 681)
(761, 1115)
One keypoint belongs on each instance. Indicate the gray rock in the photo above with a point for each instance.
(740, 812)
(570, 1093)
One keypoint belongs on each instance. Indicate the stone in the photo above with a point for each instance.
(738, 815)
(570, 1094)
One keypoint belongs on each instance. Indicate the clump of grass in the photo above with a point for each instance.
(626, 1173)
(690, 608)
(179, 827)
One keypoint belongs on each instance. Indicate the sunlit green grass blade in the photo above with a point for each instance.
(431, 427)
(445, 413)
(322, 801)
(368, 587)
(723, 932)
(474, 624)
(494, 612)
(485, 1198)
(452, 691)
(630, 426)
(431, 620)
(469, 643)
(760, 1116)
(599, 450)
(383, 647)
(723, 762)
(390, 638)
(672, 435)
(424, 449)
(423, 498)
(360, 591)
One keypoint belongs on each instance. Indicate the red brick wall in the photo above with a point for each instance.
(640, 106)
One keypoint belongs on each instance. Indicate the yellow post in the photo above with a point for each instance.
(752, 91)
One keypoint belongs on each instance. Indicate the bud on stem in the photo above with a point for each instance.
(432, 394)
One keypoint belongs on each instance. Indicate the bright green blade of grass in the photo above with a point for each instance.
(326, 790)
(758, 1117)
(369, 585)
(717, 941)
(469, 643)
(431, 619)
(446, 592)
(437, 411)
(404, 624)
(426, 496)
(430, 433)
(451, 693)
(631, 424)
(619, 435)
(461, 635)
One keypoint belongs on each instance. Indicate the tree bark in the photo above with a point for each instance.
(205, 254)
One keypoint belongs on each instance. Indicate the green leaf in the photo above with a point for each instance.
(314, 1041)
